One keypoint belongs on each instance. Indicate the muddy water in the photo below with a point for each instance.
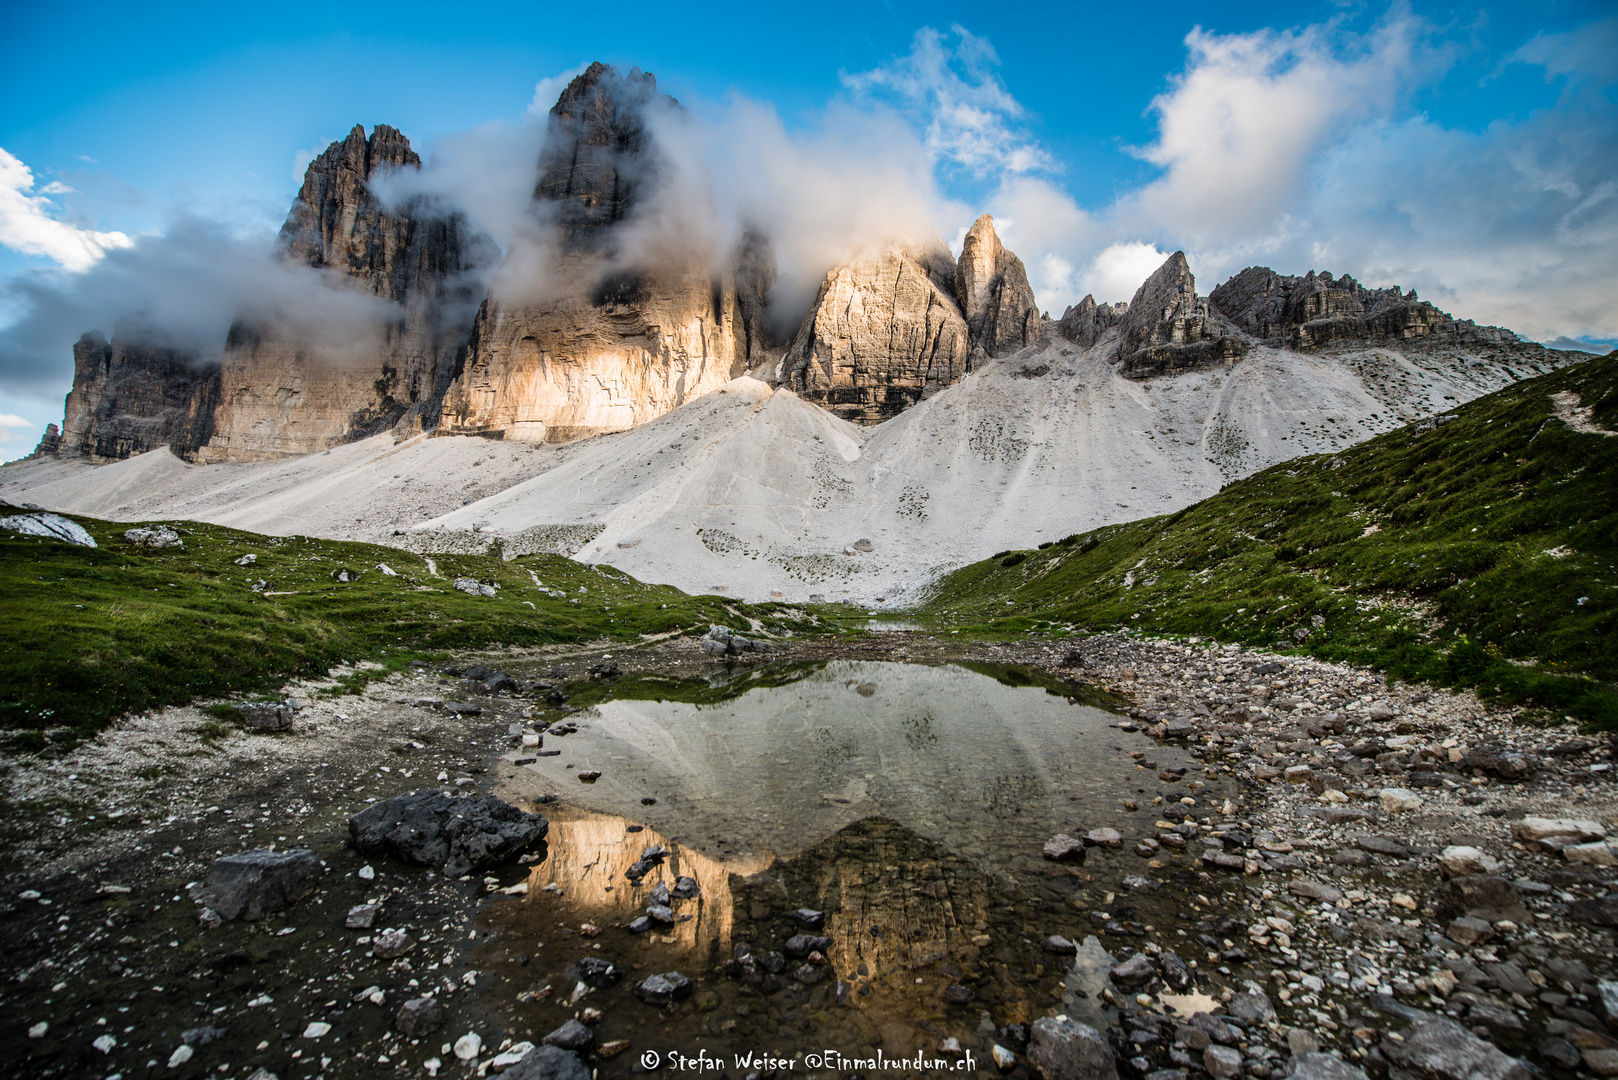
(907, 804)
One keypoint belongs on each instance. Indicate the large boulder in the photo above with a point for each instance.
(455, 836)
(51, 526)
(1437, 1048)
(1064, 1049)
(257, 883)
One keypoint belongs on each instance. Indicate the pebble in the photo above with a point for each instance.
(468, 1046)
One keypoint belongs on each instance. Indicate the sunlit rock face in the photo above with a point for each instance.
(593, 327)
(883, 333)
(1168, 328)
(279, 392)
(991, 285)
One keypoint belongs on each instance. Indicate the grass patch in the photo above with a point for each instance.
(1479, 552)
(91, 634)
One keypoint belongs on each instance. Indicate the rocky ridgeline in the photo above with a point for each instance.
(1423, 882)
(1167, 328)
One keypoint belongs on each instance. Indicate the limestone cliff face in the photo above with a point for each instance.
(883, 334)
(276, 394)
(1084, 323)
(1318, 310)
(1169, 328)
(615, 341)
(128, 398)
(991, 286)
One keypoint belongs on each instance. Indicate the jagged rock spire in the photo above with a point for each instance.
(991, 286)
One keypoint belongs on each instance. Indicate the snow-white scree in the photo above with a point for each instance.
(756, 494)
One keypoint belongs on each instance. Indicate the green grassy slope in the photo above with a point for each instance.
(89, 634)
(1480, 552)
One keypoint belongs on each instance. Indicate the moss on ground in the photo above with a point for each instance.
(90, 634)
(1477, 552)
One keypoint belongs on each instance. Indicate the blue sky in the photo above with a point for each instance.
(1390, 141)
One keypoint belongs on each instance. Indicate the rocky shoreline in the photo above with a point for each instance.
(1403, 877)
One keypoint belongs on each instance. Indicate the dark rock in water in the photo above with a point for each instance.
(660, 990)
(1068, 1050)
(685, 888)
(1138, 970)
(772, 962)
(957, 994)
(572, 1035)
(801, 945)
(1438, 1048)
(814, 920)
(808, 974)
(418, 1017)
(1176, 972)
(598, 973)
(1014, 1037)
(1064, 848)
(1482, 896)
(605, 671)
(1059, 946)
(457, 836)
(257, 883)
(548, 1063)
(202, 1036)
(500, 681)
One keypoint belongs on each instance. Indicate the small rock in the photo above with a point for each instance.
(1482, 896)
(1063, 1049)
(157, 536)
(598, 973)
(316, 1030)
(1460, 860)
(418, 1017)
(1222, 1062)
(1314, 890)
(468, 1046)
(1137, 971)
(392, 943)
(610, 1050)
(660, 990)
(572, 1035)
(1064, 848)
(1004, 1059)
(510, 1056)
(1309, 1065)
(37, 1031)
(1104, 837)
(1438, 1048)
(1059, 946)
(1252, 1006)
(457, 836)
(1596, 854)
(1395, 800)
(957, 994)
(1469, 931)
(362, 916)
(814, 920)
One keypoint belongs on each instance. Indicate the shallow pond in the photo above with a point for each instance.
(907, 804)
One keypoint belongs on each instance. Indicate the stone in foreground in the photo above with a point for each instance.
(456, 836)
(257, 883)
(1064, 1049)
(548, 1063)
(1437, 1048)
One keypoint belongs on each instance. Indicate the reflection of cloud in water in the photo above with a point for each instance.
(952, 754)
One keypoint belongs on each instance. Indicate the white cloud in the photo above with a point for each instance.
(26, 224)
(547, 90)
(971, 120)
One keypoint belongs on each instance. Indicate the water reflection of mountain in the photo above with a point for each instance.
(954, 755)
(907, 918)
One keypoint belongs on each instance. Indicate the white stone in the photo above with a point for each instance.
(510, 1056)
(37, 1031)
(105, 1043)
(316, 1029)
(1597, 854)
(1396, 799)
(1460, 860)
(1533, 829)
(468, 1046)
(181, 1055)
